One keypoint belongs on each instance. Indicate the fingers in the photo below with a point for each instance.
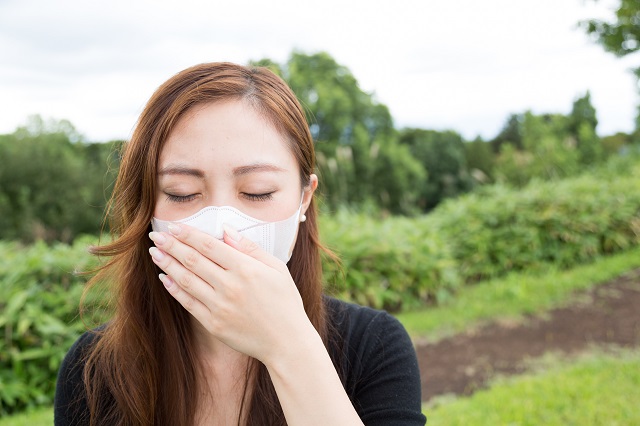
(189, 289)
(201, 268)
(229, 254)
(207, 245)
(194, 306)
(248, 247)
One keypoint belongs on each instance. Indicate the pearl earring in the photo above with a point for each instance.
(303, 218)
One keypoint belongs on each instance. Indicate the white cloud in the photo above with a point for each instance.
(458, 64)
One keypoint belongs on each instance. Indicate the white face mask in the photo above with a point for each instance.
(276, 238)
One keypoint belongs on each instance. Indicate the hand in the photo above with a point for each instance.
(240, 294)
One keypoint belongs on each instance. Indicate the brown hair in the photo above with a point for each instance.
(143, 369)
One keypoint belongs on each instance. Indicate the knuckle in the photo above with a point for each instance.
(191, 259)
(233, 295)
(187, 281)
(250, 273)
(209, 243)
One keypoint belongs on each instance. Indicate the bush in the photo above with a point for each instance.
(500, 229)
(391, 263)
(39, 297)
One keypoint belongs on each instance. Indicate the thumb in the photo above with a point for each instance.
(244, 245)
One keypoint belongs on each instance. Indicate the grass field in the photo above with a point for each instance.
(38, 417)
(596, 389)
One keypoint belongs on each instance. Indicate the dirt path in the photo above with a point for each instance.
(609, 314)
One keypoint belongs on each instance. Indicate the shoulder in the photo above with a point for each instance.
(70, 406)
(377, 362)
(357, 325)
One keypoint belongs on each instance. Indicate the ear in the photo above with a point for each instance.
(308, 193)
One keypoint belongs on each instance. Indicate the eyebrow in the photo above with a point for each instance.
(257, 167)
(181, 170)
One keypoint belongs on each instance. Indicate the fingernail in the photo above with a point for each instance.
(174, 229)
(156, 253)
(232, 233)
(166, 281)
(157, 237)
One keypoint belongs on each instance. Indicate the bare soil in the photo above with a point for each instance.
(606, 315)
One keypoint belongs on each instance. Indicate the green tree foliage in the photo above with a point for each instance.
(511, 133)
(583, 111)
(443, 155)
(582, 125)
(549, 151)
(614, 144)
(480, 160)
(359, 159)
(51, 183)
(621, 36)
(549, 146)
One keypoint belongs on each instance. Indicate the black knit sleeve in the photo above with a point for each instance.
(380, 367)
(70, 404)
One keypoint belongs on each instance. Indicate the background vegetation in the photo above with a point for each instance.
(595, 389)
(417, 215)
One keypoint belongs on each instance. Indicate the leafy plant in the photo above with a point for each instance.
(391, 263)
(39, 298)
(500, 229)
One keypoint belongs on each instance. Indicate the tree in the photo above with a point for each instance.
(443, 155)
(582, 125)
(358, 157)
(549, 151)
(583, 111)
(511, 133)
(480, 160)
(50, 188)
(620, 37)
(614, 144)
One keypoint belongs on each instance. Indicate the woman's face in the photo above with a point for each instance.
(226, 154)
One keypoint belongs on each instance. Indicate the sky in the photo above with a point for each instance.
(437, 64)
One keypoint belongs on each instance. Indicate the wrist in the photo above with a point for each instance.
(296, 352)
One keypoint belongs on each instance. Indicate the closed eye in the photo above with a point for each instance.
(258, 197)
(181, 198)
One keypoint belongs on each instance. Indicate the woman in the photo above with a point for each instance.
(220, 317)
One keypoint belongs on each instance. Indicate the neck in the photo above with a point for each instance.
(212, 349)
(224, 380)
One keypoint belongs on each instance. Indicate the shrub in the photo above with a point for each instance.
(500, 229)
(39, 297)
(391, 263)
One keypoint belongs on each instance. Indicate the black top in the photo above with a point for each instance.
(378, 361)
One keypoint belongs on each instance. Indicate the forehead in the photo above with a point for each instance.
(226, 134)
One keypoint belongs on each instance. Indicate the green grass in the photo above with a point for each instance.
(513, 296)
(594, 390)
(36, 417)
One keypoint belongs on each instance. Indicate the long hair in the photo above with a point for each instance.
(144, 370)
